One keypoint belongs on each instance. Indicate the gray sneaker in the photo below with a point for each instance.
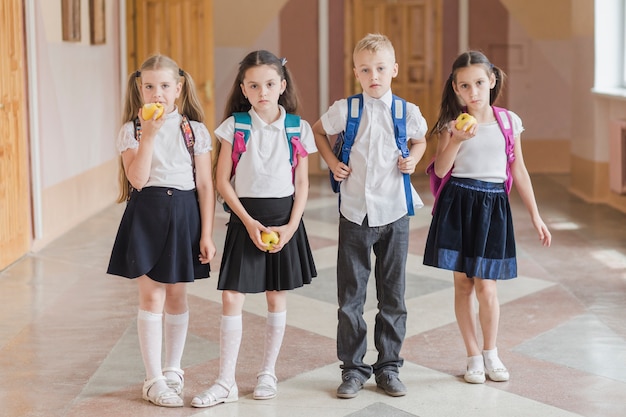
(350, 387)
(391, 384)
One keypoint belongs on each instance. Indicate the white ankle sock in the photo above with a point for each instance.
(150, 332)
(475, 364)
(230, 340)
(274, 333)
(492, 361)
(175, 336)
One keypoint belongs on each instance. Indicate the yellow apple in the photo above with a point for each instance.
(270, 239)
(148, 110)
(465, 121)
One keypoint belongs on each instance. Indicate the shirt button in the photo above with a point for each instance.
(169, 192)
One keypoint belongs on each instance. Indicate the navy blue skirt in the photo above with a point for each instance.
(247, 269)
(472, 230)
(159, 236)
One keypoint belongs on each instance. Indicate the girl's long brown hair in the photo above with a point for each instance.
(189, 103)
(450, 105)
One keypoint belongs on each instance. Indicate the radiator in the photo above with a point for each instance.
(617, 156)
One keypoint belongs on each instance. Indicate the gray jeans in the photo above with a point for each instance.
(390, 244)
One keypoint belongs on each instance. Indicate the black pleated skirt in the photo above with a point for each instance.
(159, 236)
(247, 269)
(472, 231)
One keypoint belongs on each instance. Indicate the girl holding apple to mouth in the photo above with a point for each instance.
(472, 230)
(265, 197)
(165, 235)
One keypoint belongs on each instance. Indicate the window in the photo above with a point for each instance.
(610, 47)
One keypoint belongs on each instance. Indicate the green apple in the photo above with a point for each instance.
(465, 121)
(270, 239)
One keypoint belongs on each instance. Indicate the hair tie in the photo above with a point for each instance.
(283, 61)
(137, 74)
(181, 72)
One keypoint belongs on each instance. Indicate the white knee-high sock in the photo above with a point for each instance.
(150, 332)
(175, 336)
(230, 340)
(274, 333)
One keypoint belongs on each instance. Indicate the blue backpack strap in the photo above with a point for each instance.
(243, 124)
(398, 113)
(292, 129)
(355, 109)
(504, 121)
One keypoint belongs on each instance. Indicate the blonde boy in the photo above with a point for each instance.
(373, 216)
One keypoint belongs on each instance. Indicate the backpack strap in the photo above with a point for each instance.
(190, 141)
(398, 113)
(355, 109)
(243, 124)
(292, 129)
(504, 121)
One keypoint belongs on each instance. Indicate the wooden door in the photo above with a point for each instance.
(414, 28)
(180, 29)
(15, 209)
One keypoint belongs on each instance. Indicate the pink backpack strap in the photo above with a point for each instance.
(504, 121)
(298, 150)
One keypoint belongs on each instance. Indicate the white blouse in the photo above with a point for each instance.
(171, 162)
(264, 170)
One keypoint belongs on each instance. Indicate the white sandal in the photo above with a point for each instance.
(177, 384)
(164, 398)
(266, 386)
(214, 395)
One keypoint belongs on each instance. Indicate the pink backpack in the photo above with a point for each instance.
(504, 121)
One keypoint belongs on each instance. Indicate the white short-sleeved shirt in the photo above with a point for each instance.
(483, 157)
(264, 170)
(375, 187)
(171, 162)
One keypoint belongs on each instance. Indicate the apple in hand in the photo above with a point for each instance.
(270, 239)
(465, 121)
(149, 109)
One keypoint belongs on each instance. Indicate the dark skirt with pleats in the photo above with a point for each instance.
(472, 231)
(247, 269)
(159, 236)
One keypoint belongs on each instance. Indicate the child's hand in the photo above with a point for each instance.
(254, 231)
(544, 234)
(150, 127)
(461, 135)
(285, 233)
(340, 171)
(407, 165)
(207, 250)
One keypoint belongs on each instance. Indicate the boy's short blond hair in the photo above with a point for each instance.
(374, 42)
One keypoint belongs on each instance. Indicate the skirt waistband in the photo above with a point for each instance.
(477, 185)
(168, 191)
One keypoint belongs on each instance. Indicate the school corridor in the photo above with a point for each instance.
(69, 348)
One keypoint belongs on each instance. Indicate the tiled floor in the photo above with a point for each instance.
(68, 343)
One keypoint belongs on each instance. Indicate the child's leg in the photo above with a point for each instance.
(176, 325)
(489, 311)
(275, 328)
(465, 312)
(231, 327)
(489, 316)
(150, 324)
(274, 331)
(466, 320)
(150, 332)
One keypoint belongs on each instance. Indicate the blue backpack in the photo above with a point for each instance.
(243, 124)
(345, 139)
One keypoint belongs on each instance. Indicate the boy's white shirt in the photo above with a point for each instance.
(375, 187)
(264, 170)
